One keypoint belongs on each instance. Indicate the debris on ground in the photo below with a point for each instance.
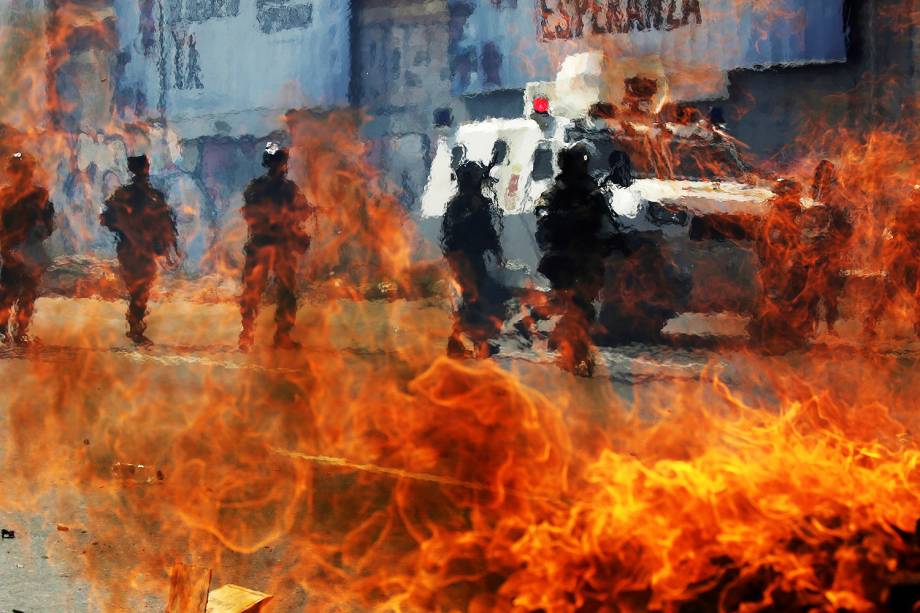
(63, 528)
(188, 588)
(7, 534)
(137, 473)
(235, 599)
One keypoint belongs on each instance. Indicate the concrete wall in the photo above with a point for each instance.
(767, 108)
(400, 76)
(232, 67)
(500, 44)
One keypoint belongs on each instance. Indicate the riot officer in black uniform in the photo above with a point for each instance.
(471, 242)
(26, 220)
(275, 211)
(145, 231)
(576, 230)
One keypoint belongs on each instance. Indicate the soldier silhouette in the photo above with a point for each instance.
(145, 231)
(275, 211)
(782, 320)
(576, 230)
(471, 243)
(26, 220)
(901, 259)
(829, 230)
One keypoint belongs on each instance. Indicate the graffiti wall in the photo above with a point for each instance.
(502, 44)
(232, 66)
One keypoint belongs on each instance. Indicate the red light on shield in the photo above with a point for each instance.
(541, 105)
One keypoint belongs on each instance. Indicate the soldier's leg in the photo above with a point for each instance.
(584, 315)
(464, 308)
(488, 315)
(138, 296)
(884, 296)
(255, 276)
(286, 311)
(139, 273)
(9, 289)
(836, 283)
(912, 278)
(28, 292)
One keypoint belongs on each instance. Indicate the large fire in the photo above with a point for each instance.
(370, 472)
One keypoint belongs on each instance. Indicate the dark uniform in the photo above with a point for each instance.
(902, 265)
(782, 318)
(275, 211)
(26, 220)
(576, 230)
(829, 230)
(145, 229)
(470, 234)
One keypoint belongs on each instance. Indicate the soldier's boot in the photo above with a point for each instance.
(284, 341)
(137, 311)
(21, 337)
(140, 339)
(136, 334)
(285, 315)
(246, 340)
(24, 311)
(283, 338)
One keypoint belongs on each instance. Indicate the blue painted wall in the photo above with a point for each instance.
(232, 67)
(500, 44)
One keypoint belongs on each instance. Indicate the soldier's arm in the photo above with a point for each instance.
(4, 223)
(249, 200)
(302, 206)
(47, 215)
(169, 224)
(494, 243)
(541, 212)
(110, 213)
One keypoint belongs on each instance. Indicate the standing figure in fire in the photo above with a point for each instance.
(782, 317)
(471, 243)
(575, 230)
(901, 260)
(26, 220)
(145, 231)
(275, 211)
(828, 228)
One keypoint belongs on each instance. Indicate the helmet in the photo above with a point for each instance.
(274, 155)
(470, 174)
(574, 159)
(138, 165)
(20, 163)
